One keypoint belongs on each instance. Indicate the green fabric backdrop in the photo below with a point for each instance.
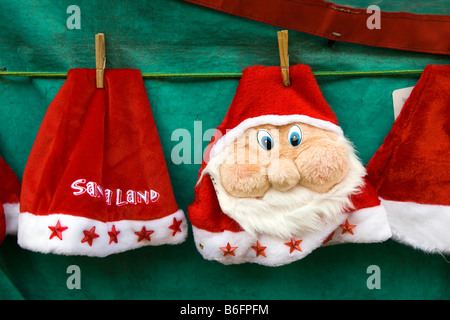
(174, 36)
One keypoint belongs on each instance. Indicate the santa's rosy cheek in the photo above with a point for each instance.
(322, 169)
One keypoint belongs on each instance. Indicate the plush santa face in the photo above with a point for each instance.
(286, 180)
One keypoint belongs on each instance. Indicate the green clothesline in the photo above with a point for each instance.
(214, 75)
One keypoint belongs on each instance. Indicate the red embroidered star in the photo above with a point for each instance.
(175, 226)
(347, 227)
(113, 234)
(144, 234)
(330, 236)
(259, 249)
(89, 236)
(294, 245)
(57, 230)
(228, 249)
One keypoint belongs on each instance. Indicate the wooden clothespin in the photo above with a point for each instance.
(284, 56)
(100, 58)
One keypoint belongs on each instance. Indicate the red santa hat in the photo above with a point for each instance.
(96, 181)
(9, 197)
(411, 169)
(261, 98)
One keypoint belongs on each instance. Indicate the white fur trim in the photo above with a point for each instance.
(34, 234)
(371, 226)
(12, 216)
(422, 226)
(275, 120)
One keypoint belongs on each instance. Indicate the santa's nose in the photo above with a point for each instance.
(283, 174)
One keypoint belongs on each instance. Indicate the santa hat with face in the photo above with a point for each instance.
(9, 200)
(260, 99)
(96, 181)
(411, 169)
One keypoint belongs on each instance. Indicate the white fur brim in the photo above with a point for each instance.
(275, 120)
(11, 216)
(34, 234)
(371, 226)
(422, 226)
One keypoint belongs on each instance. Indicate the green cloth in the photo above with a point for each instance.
(178, 37)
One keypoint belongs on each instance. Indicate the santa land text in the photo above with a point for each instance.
(97, 191)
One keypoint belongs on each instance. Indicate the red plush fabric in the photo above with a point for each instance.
(94, 140)
(10, 189)
(303, 96)
(367, 198)
(398, 30)
(412, 164)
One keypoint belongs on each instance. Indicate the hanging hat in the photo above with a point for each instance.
(411, 169)
(96, 181)
(9, 196)
(2, 225)
(261, 99)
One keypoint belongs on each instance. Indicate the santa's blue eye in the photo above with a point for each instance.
(295, 135)
(265, 139)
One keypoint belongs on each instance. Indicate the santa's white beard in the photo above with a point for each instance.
(295, 212)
